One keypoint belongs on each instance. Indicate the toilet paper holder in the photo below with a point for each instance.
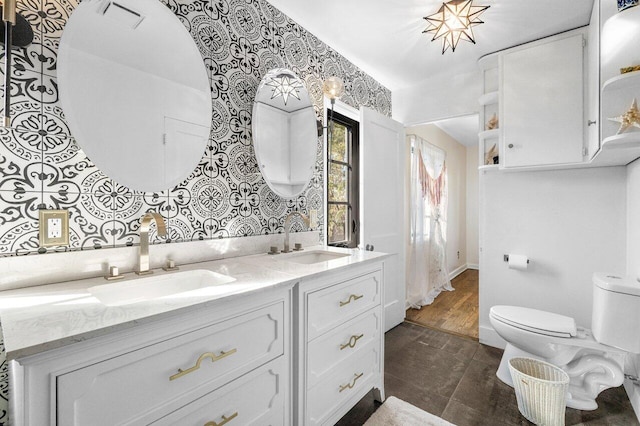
(505, 257)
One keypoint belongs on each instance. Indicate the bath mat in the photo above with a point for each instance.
(396, 412)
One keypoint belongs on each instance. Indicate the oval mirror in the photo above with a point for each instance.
(135, 92)
(285, 133)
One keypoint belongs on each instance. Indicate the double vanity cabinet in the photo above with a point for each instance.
(283, 343)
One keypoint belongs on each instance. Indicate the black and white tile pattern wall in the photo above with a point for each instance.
(240, 40)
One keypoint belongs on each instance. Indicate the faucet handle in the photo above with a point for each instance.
(298, 247)
(114, 274)
(170, 266)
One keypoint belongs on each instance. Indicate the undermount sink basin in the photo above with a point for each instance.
(157, 286)
(315, 256)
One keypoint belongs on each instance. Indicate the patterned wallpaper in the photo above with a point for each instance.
(240, 40)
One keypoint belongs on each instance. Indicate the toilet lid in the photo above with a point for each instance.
(536, 321)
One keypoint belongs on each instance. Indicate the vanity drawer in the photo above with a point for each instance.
(344, 383)
(346, 341)
(257, 398)
(329, 307)
(136, 387)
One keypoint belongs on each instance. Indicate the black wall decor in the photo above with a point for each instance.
(225, 196)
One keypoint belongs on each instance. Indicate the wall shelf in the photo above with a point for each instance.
(618, 150)
(489, 167)
(490, 98)
(622, 81)
(489, 134)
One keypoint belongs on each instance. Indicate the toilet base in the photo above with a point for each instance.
(589, 374)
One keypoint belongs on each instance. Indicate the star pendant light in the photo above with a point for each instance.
(628, 119)
(454, 21)
(285, 85)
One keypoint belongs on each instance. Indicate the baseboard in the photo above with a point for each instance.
(473, 266)
(460, 269)
(489, 337)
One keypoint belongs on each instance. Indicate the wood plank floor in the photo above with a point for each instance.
(453, 311)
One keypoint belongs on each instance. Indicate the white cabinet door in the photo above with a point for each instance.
(383, 208)
(542, 103)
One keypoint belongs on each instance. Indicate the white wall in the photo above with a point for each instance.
(446, 96)
(570, 223)
(472, 253)
(633, 262)
(457, 182)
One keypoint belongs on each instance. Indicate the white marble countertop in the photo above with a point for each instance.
(45, 317)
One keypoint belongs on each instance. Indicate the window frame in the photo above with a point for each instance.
(353, 179)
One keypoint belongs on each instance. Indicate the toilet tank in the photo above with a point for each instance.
(616, 311)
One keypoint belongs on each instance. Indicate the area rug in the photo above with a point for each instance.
(396, 412)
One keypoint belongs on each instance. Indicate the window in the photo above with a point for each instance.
(342, 182)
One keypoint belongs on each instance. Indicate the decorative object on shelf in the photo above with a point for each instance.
(493, 122)
(632, 68)
(454, 21)
(491, 156)
(626, 4)
(628, 119)
(285, 85)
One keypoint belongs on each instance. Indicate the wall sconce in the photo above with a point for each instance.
(20, 36)
(333, 88)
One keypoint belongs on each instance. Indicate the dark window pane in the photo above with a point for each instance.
(338, 144)
(337, 223)
(338, 183)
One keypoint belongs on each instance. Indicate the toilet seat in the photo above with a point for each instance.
(535, 321)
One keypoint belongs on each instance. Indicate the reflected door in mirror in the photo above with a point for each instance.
(135, 92)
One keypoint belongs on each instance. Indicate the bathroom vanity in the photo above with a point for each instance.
(254, 340)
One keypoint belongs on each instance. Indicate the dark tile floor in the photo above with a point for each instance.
(454, 378)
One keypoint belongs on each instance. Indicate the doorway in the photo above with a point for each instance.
(456, 311)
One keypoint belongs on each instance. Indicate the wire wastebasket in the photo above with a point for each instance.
(541, 390)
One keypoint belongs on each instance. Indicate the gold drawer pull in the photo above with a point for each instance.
(352, 342)
(204, 356)
(351, 297)
(225, 420)
(352, 384)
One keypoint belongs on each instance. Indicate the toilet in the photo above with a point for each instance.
(593, 359)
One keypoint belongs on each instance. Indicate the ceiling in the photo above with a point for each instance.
(463, 129)
(384, 37)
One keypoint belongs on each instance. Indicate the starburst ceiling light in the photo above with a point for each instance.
(454, 21)
(285, 85)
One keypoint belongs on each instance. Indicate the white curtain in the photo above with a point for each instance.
(427, 274)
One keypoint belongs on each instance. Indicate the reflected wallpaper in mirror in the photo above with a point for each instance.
(225, 195)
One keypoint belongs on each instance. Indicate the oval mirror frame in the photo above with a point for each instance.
(285, 133)
(135, 92)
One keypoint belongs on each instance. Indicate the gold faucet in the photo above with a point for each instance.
(287, 225)
(145, 222)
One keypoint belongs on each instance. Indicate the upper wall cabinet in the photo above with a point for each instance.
(542, 102)
(555, 97)
(535, 105)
